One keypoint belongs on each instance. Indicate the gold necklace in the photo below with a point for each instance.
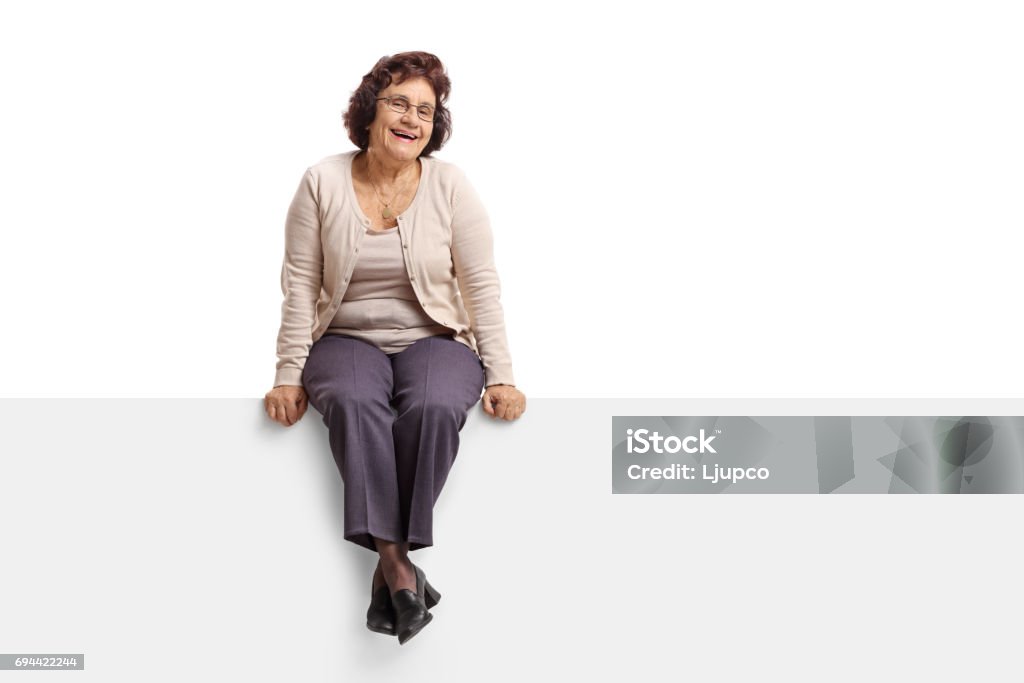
(386, 211)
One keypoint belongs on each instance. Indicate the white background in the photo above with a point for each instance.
(715, 199)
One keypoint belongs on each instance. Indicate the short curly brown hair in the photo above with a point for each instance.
(362, 107)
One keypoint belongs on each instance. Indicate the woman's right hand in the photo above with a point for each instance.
(286, 404)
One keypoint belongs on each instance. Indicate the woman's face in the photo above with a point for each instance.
(401, 137)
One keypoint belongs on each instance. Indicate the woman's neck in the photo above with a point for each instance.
(388, 171)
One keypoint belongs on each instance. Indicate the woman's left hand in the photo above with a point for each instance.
(503, 401)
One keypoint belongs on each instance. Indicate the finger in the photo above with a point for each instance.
(295, 409)
(488, 408)
(501, 409)
(282, 414)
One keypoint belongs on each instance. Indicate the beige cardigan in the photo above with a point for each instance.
(449, 258)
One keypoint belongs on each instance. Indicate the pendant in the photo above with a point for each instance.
(386, 212)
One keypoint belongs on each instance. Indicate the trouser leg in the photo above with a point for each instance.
(437, 381)
(350, 383)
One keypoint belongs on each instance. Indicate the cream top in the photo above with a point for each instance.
(380, 306)
(447, 248)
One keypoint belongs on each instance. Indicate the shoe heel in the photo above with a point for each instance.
(431, 597)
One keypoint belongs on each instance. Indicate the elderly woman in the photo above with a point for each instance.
(391, 323)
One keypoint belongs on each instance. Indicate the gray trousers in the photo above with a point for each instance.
(394, 423)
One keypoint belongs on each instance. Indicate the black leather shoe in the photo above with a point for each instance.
(411, 613)
(380, 617)
(430, 595)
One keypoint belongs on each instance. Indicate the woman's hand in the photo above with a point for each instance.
(286, 404)
(503, 401)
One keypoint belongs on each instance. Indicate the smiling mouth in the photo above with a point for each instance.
(402, 135)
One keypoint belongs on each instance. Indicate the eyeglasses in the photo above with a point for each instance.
(400, 104)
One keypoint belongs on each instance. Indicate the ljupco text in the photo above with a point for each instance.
(713, 474)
